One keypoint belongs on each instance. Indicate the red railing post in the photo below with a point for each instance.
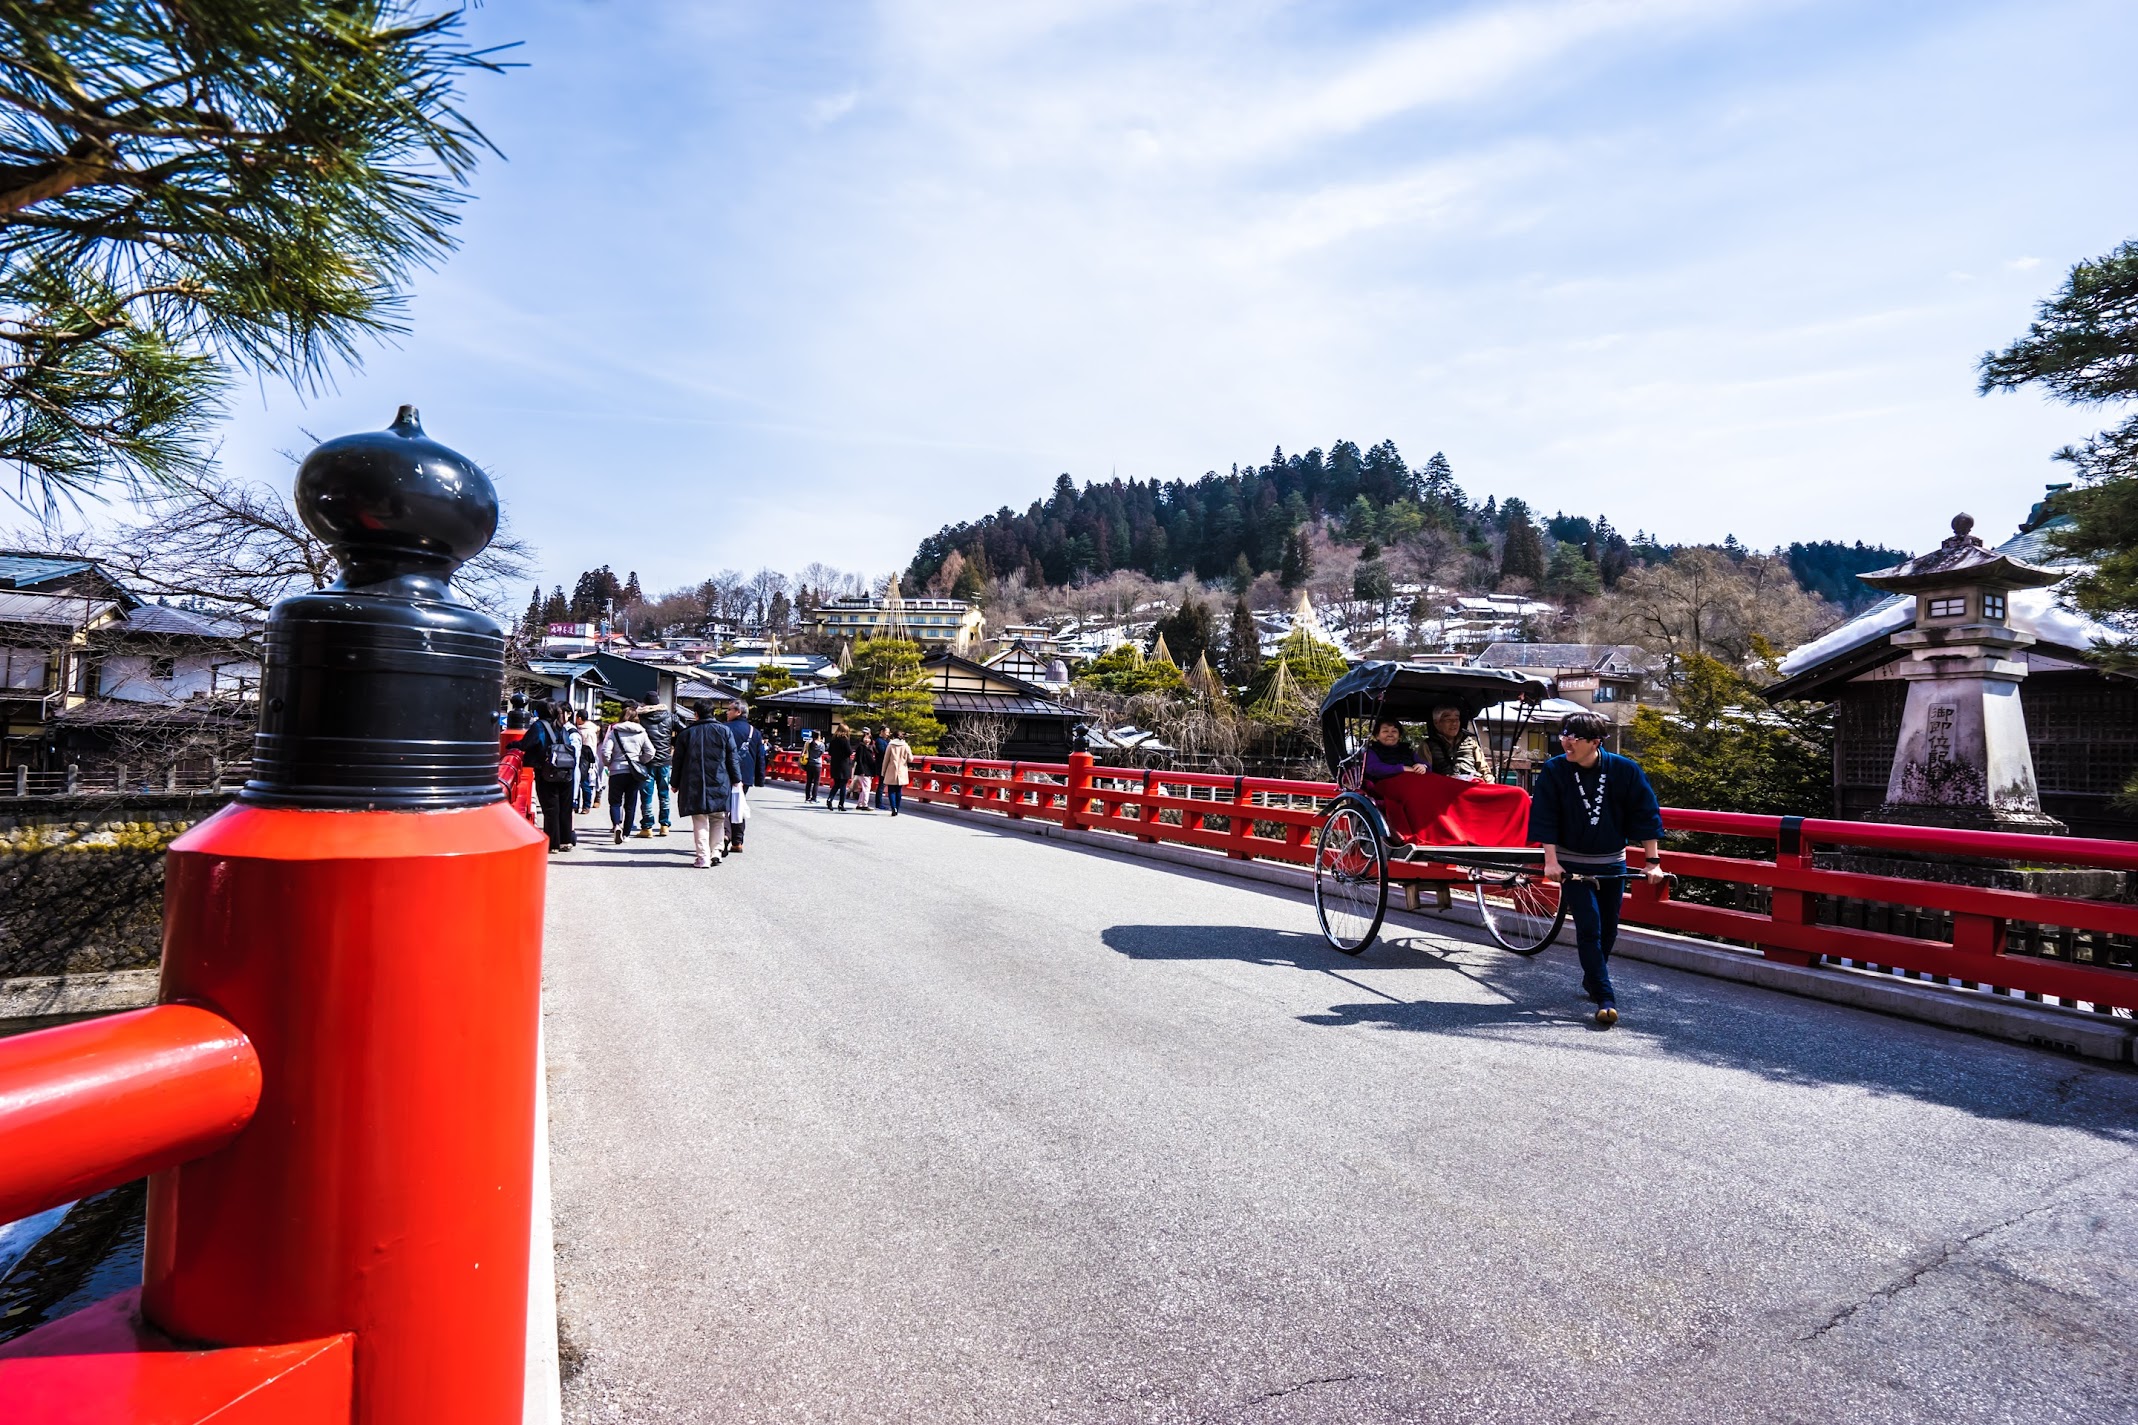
(1787, 907)
(1079, 807)
(1241, 823)
(369, 915)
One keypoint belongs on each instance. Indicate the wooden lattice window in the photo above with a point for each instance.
(1868, 731)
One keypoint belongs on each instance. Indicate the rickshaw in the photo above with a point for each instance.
(1357, 853)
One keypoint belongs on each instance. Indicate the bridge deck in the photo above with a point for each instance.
(912, 1120)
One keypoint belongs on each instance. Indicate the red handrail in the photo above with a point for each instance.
(87, 1106)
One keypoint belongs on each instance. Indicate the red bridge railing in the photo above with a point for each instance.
(2075, 951)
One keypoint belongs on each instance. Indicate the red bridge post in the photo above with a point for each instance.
(368, 914)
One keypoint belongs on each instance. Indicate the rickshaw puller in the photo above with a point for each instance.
(1586, 808)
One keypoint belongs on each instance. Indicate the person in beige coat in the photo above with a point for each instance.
(897, 769)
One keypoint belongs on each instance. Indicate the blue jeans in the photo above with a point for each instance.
(656, 781)
(586, 791)
(895, 795)
(1594, 907)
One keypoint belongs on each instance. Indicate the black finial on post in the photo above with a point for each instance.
(381, 690)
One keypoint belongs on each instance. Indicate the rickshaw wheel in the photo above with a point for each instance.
(1350, 879)
(1523, 913)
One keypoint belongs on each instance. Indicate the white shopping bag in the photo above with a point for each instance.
(738, 806)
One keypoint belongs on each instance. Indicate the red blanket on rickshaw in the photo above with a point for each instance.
(1427, 809)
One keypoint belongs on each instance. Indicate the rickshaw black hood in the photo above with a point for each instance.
(1409, 692)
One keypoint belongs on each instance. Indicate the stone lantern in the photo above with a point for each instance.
(1963, 760)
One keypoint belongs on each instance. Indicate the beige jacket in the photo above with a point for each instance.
(897, 763)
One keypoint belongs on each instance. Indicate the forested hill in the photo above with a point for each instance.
(1253, 520)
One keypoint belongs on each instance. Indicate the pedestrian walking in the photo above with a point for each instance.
(750, 744)
(583, 738)
(660, 726)
(546, 748)
(841, 757)
(865, 768)
(1586, 808)
(708, 772)
(626, 754)
(877, 744)
(897, 769)
(812, 765)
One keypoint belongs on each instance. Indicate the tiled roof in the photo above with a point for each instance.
(50, 610)
(21, 570)
(1561, 655)
(1002, 704)
(182, 623)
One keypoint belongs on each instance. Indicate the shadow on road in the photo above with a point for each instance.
(1715, 1022)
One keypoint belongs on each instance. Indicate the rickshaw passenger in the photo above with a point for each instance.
(1387, 754)
(1450, 748)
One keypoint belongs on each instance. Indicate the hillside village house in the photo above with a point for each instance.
(1606, 678)
(932, 623)
(2082, 725)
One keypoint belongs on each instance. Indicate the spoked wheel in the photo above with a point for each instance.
(1522, 912)
(1350, 879)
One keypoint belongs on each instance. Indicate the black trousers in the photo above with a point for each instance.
(556, 799)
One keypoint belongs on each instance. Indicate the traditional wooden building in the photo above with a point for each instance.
(2082, 724)
(983, 702)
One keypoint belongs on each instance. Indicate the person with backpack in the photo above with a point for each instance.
(750, 743)
(660, 728)
(709, 770)
(546, 749)
(626, 754)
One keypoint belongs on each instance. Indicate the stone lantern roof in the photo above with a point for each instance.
(1963, 559)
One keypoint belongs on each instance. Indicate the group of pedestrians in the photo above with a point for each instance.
(855, 765)
(653, 766)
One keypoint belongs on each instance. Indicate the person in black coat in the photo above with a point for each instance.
(707, 769)
(1586, 807)
(841, 757)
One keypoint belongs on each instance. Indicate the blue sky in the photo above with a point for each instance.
(778, 283)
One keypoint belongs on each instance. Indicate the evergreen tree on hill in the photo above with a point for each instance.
(1522, 556)
(1243, 645)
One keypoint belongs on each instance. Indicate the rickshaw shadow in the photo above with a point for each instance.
(1258, 945)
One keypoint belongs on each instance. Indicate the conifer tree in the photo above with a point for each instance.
(887, 682)
(193, 190)
(2083, 346)
(1243, 645)
(1522, 556)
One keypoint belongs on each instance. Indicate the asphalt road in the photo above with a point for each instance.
(917, 1121)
